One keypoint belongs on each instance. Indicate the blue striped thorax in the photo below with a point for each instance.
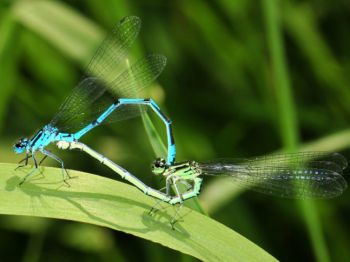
(41, 139)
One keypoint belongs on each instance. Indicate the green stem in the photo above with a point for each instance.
(9, 47)
(285, 103)
(287, 117)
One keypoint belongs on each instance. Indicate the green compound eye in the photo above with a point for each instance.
(159, 166)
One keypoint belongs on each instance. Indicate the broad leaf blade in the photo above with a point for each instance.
(109, 203)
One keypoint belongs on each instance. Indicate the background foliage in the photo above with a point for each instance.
(244, 78)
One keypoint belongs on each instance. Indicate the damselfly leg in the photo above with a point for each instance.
(31, 172)
(174, 219)
(65, 174)
(25, 160)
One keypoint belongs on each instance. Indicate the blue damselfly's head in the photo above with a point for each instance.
(159, 166)
(21, 145)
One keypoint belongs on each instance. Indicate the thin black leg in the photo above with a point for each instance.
(42, 160)
(175, 217)
(24, 159)
(31, 172)
(154, 208)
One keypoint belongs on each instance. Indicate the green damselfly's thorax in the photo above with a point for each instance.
(188, 169)
(182, 178)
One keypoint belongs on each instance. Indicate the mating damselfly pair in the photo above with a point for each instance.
(109, 91)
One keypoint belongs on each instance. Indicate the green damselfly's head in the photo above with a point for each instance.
(21, 145)
(159, 166)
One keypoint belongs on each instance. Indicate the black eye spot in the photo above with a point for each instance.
(159, 163)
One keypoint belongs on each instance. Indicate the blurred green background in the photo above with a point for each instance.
(244, 78)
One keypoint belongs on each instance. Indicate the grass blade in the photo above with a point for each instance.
(109, 203)
(287, 117)
(73, 34)
(9, 47)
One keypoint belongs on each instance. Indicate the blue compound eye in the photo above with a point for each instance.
(20, 146)
(19, 150)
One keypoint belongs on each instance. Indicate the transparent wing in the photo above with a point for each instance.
(94, 96)
(109, 76)
(110, 59)
(299, 175)
(132, 81)
(75, 111)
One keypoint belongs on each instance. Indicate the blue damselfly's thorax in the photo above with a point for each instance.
(41, 139)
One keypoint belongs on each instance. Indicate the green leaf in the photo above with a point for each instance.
(73, 34)
(318, 55)
(154, 138)
(109, 203)
(9, 47)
